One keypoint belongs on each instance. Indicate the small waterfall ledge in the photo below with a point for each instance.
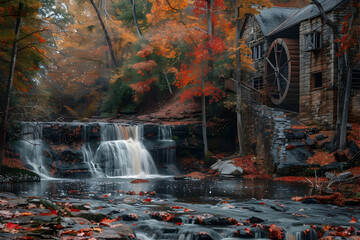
(85, 150)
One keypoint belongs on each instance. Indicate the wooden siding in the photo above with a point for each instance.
(255, 37)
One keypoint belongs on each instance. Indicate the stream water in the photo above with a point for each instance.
(237, 198)
(112, 153)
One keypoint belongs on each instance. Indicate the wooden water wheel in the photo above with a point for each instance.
(282, 72)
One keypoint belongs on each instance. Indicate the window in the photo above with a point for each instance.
(356, 79)
(257, 52)
(312, 41)
(258, 83)
(316, 79)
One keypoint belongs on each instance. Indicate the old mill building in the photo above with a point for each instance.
(296, 63)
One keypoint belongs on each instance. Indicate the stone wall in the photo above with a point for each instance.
(277, 146)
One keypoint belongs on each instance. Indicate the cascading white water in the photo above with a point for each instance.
(107, 149)
(121, 152)
(165, 135)
(31, 148)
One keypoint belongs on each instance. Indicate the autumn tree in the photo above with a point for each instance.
(21, 55)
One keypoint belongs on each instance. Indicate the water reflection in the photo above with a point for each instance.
(182, 190)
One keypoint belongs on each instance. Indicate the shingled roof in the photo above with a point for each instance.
(270, 18)
(304, 13)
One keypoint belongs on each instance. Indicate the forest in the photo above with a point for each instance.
(179, 119)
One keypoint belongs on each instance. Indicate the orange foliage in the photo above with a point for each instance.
(187, 76)
(142, 87)
(322, 158)
(144, 66)
(247, 164)
(301, 179)
(195, 175)
(336, 199)
(145, 51)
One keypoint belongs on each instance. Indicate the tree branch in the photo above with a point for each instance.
(41, 30)
(175, 9)
(331, 24)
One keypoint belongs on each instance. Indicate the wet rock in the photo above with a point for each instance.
(97, 217)
(302, 233)
(227, 168)
(320, 137)
(80, 220)
(253, 220)
(162, 216)
(279, 208)
(219, 221)
(202, 236)
(15, 175)
(108, 234)
(41, 219)
(295, 135)
(309, 142)
(313, 131)
(19, 202)
(331, 166)
(244, 233)
(7, 195)
(341, 176)
(295, 160)
(310, 201)
(167, 233)
(122, 229)
(130, 217)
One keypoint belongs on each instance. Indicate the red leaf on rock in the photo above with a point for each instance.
(12, 226)
(139, 181)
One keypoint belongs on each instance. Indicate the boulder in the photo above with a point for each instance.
(295, 160)
(227, 168)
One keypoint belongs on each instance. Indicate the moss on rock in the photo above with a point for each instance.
(11, 175)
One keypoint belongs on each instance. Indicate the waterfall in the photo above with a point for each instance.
(169, 153)
(122, 153)
(31, 148)
(80, 150)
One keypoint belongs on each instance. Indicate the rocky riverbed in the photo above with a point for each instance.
(169, 209)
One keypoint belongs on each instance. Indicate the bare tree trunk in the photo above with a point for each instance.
(342, 145)
(341, 69)
(9, 86)
(204, 132)
(167, 81)
(132, 2)
(113, 59)
(209, 76)
(238, 85)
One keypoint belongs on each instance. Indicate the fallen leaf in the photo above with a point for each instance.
(176, 207)
(27, 214)
(11, 226)
(353, 220)
(6, 214)
(98, 229)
